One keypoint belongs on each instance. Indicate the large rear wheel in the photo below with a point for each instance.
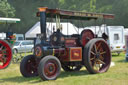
(5, 54)
(49, 68)
(97, 56)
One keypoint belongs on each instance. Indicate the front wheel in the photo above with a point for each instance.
(28, 66)
(49, 68)
(97, 56)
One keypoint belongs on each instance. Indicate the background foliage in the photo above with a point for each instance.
(26, 10)
(6, 9)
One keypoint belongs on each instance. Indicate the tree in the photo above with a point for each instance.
(92, 5)
(6, 10)
(26, 10)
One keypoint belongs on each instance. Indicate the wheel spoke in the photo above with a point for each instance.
(101, 62)
(95, 48)
(92, 59)
(101, 58)
(102, 53)
(101, 49)
(4, 50)
(1, 47)
(5, 60)
(3, 54)
(2, 60)
(93, 53)
(98, 45)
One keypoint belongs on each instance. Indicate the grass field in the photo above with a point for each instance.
(117, 75)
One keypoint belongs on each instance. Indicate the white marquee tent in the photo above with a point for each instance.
(67, 29)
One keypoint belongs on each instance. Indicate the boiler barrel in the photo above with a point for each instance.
(40, 52)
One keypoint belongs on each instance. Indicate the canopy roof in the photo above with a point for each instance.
(64, 14)
(9, 20)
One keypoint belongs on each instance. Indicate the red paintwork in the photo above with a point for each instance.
(38, 51)
(5, 53)
(71, 54)
(86, 35)
(70, 42)
(76, 54)
(51, 64)
(65, 56)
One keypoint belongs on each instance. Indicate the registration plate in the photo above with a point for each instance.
(117, 46)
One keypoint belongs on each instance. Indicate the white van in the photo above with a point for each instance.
(116, 39)
(19, 37)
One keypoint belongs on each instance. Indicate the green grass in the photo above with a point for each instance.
(117, 75)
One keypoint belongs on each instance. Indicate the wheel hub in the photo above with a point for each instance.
(50, 69)
(98, 55)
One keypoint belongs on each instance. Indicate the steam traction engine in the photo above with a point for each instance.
(6, 43)
(5, 54)
(70, 52)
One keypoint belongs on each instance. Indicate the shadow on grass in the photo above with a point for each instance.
(75, 73)
(115, 55)
(21, 79)
(123, 61)
(18, 79)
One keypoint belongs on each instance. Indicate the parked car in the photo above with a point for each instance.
(23, 46)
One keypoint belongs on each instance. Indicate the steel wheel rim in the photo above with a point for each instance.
(31, 66)
(50, 68)
(100, 56)
(5, 54)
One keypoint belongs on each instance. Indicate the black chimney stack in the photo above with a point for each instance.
(43, 24)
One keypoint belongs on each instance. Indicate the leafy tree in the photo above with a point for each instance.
(6, 9)
(26, 10)
(92, 5)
